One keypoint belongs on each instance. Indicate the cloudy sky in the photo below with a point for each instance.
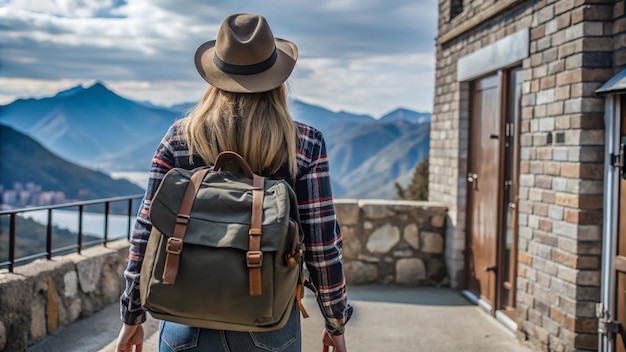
(362, 56)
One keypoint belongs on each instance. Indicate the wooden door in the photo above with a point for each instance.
(620, 259)
(483, 187)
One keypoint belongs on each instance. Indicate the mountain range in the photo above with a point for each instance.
(83, 124)
(98, 129)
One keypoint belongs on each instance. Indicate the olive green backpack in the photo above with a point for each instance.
(225, 250)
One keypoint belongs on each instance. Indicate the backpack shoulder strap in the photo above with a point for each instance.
(175, 243)
(254, 256)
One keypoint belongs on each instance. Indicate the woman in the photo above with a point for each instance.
(245, 110)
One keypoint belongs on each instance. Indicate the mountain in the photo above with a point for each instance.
(86, 123)
(316, 116)
(367, 162)
(407, 115)
(397, 160)
(181, 108)
(25, 160)
(350, 145)
(135, 158)
(321, 118)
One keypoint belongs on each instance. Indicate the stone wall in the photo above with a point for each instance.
(393, 242)
(385, 242)
(40, 297)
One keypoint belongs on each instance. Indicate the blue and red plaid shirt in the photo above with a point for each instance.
(322, 236)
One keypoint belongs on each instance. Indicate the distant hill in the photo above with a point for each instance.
(25, 160)
(32, 238)
(97, 128)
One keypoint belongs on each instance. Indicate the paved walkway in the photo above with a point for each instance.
(398, 319)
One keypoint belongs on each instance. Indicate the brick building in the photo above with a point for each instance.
(525, 137)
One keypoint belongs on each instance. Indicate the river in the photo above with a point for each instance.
(93, 223)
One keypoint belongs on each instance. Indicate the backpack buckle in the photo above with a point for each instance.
(182, 219)
(254, 259)
(294, 259)
(174, 245)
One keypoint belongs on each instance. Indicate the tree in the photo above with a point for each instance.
(417, 189)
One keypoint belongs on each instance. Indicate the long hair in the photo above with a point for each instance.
(257, 126)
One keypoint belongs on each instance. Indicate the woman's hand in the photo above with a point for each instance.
(130, 335)
(337, 342)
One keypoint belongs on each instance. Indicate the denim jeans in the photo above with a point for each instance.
(175, 337)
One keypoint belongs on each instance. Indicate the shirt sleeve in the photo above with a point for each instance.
(130, 304)
(322, 238)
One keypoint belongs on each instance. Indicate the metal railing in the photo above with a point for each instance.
(79, 245)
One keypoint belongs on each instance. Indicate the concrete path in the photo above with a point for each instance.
(398, 319)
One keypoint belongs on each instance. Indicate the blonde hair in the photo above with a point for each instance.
(255, 125)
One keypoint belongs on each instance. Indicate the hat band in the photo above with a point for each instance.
(246, 69)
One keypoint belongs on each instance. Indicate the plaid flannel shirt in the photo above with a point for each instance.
(322, 236)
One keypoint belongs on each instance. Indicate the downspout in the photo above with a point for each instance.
(605, 308)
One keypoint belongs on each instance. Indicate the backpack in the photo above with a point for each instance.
(225, 250)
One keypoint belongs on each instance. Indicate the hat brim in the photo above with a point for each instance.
(260, 82)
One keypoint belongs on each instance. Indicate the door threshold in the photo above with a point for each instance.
(487, 307)
(506, 321)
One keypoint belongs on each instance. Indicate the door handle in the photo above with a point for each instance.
(473, 179)
(492, 268)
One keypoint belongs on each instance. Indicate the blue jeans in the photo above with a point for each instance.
(175, 337)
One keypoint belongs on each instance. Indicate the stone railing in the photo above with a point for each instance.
(385, 242)
(44, 295)
(393, 242)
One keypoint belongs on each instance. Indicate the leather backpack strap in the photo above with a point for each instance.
(300, 294)
(254, 256)
(227, 156)
(175, 243)
(327, 342)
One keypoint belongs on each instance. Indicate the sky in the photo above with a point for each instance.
(361, 56)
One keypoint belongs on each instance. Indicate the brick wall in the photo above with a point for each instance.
(572, 51)
(619, 34)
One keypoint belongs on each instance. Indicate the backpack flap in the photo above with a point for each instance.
(222, 210)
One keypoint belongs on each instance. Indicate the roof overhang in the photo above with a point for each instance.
(615, 85)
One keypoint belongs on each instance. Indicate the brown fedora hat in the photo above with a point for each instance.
(245, 57)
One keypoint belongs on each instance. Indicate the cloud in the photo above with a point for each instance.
(11, 88)
(68, 8)
(375, 47)
(363, 85)
(332, 28)
(40, 45)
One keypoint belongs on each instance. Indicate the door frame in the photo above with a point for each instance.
(507, 99)
(605, 309)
